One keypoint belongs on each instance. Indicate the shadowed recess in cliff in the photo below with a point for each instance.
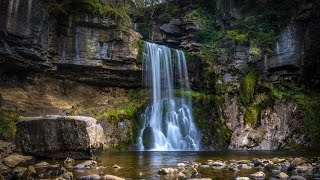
(167, 124)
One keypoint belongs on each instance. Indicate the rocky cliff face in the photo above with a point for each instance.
(34, 39)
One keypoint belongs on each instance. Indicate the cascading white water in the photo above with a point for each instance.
(167, 124)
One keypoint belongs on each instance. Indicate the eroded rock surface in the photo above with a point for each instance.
(60, 136)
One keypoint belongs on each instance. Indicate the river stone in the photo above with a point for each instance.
(18, 172)
(296, 162)
(17, 160)
(86, 165)
(90, 177)
(111, 177)
(297, 178)
(242, 178)
(165, 171)
(283, 175)
(258, 175)
(78, 137)
(67, 176)
(6, 148)
(4, 169)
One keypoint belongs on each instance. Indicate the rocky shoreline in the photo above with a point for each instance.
(17, 166)
(298, 168)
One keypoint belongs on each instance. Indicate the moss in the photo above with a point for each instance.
(127, 111)
(8, 120)
(94, 7)
(251, 115)
(139, 46)
(308, 102)
(255, 51)
(247, 87)
(237, 36)
(222, 131)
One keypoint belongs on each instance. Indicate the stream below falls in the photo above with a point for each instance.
(145, 164)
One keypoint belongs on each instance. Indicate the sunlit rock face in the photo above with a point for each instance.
(60, 136)
(276, 130)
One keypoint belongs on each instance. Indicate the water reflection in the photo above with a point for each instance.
(145, 165)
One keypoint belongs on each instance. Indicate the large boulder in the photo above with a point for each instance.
(60, 136)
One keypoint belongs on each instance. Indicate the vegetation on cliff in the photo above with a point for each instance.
(116, 11)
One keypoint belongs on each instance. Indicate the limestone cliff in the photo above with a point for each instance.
(81, 47)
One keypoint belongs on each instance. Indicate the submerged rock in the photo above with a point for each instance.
(67, 176)
(90, 177)
(242, 178)
(60, 136)
(283, 175)
(116, 166)
(18, 160)
(165, 171)
(86, 165)
(111, 177)
(297, 178)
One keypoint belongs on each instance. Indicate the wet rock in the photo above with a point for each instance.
(68, 163)
(67, 176)
(243, 162)
(242, 178)
(210, 161)
(296, 162)
(246, 166)
(165, 171)
(4, 169)
(303, 168)
(204, 166)
(18, 172)
(217, 165)
(258, 175)
(65, 136)
(233, 167)
(283, 175)
(31, 172)
(148, 138)
(6, 148)
(275, 171)
(18, 160)
(182, 175)
(297, 178)
(116, 166)
(90, 177)
(181, 165)
(257, 162)
(55, 170)
(112, 177)
(86, 165)
(42, 164)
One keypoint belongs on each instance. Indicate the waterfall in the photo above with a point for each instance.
(167, 123)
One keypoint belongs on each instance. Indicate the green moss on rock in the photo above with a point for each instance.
(247, 87)
(8, 120)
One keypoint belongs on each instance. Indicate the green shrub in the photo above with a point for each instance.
(251, 115)
(8, 120)
(247, 87)
(238, 37)
(94, 7)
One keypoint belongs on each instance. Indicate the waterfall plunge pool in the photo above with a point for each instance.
(145, 164)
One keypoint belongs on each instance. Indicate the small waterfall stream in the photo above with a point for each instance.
(167, 123)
